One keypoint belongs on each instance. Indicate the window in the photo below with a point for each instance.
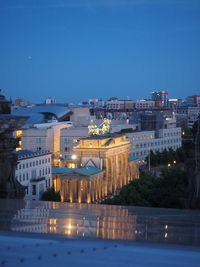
(33, 163)
(43, 161)
(26, 165)
(40, 162)
(36, 162)
(66, 140)
(20, 178)
(27, 176)
(49, 170)
(23, 166)
(48, 159)
(23, 176)
(33, 189)
(38, 140)
(30, 164)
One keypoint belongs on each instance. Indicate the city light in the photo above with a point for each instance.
(73, 156)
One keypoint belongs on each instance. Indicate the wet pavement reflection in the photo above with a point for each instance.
(86, 221)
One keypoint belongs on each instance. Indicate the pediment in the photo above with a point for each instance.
(90, 163)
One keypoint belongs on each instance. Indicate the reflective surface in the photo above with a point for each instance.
(86, 221)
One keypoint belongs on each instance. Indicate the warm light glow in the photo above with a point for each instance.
(166, 226)
(19, 133)
(165, 235)
(69, 226)
(168, 164)
(183, 133)
(174, 161)
(18, 148)
(73, 156)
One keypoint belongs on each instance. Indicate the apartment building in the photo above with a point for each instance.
(144, 141)
(34, 172)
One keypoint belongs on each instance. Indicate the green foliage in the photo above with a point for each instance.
(51, 195)
(167, 156)
(127, 130)
(165, 191)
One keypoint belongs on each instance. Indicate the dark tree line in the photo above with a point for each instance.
(168, 191)
(169, 156)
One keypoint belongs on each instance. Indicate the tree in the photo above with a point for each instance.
(166, 191)
(51, 195)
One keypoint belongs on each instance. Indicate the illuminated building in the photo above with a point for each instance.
(34, 172)
(105, 164)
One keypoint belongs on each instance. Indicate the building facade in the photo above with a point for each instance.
(34, 172)
(105, 164)
(143, 142)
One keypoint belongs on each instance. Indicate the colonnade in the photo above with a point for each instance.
(83, 191)
(117, 172)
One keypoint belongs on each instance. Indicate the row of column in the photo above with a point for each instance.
(83, 191)
(117, 172)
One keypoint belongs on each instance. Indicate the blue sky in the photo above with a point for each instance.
(78, 49)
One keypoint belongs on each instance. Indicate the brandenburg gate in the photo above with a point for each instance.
(105, 166)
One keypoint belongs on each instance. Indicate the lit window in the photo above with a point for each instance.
(19, 133)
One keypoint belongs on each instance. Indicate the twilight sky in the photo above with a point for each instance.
(78, 49)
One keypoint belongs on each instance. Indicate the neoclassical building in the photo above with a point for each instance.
(104, 166)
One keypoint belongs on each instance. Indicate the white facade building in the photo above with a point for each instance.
(143, 142)
(144, 104)
(34, 171)
(114, 103)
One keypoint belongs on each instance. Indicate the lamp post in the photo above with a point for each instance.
(149, 162)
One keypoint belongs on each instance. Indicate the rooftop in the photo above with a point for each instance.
(132, 158)
(86, 171)
(104, 136)
(37, 113)
(28, 153)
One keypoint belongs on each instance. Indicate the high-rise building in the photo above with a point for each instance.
(161, 96)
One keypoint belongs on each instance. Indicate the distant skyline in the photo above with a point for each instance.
(73, 50)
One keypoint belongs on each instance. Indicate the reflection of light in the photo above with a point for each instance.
(166, 226)
(69, 226)
(73, 156)
(83, 234)
(165, 235)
